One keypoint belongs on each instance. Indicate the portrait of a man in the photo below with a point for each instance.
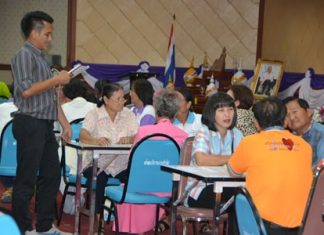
(267, 79)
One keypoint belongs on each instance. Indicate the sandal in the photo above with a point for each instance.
(163, 225)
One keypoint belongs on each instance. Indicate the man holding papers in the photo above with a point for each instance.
(35, 98)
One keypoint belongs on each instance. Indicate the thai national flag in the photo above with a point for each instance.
(170, 63)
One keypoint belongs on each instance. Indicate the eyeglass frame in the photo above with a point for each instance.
(121, 100)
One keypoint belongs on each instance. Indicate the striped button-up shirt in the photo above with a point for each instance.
(29, 66)
(210, 142)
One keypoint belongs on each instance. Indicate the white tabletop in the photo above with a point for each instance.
(210, 173)
(79, 145)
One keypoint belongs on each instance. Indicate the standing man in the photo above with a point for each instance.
(299, 116)
(35, 98)
(278, 169)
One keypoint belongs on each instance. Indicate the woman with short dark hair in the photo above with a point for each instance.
(141, 95)
(244, 100)
(214, 144)
(186, 119)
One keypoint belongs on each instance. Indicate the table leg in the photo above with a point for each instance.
(217, 214)
(175, 186)
(93, 183)
(78, 193)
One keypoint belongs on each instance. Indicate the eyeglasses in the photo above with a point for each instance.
(121, 100)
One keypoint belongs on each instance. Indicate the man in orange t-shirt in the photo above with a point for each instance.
(278, 169)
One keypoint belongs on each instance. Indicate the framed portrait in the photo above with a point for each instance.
(267, 78)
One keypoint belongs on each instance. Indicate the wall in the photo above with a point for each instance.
(5, 76)
(127, 32)
(11, 13)
(293, 32)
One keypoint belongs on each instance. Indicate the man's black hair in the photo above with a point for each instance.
(34, 20)
(270, 112)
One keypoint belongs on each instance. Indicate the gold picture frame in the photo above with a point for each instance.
(267, 78)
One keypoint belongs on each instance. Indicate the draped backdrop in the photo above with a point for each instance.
(116, 73)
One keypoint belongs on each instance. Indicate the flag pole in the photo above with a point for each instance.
(169, 72)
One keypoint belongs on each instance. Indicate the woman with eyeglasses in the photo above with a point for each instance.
(109, 123)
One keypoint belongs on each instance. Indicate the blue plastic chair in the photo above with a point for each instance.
(248, 219)
(68, 177)
(3, 100)
(8, 225)
(8, 151)
(144, 175)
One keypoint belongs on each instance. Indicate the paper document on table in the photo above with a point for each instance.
(77, 69)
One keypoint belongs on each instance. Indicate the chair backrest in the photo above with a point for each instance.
(313, 221)
(146, 157)
(8, 225)
(8, 151)
(185, 158)
(76, 126)
(247, 216)
(3, 99)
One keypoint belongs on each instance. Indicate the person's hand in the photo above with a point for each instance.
(102, 141)
(320, 164)
(67, 134)
(63, 77)
(126, 140)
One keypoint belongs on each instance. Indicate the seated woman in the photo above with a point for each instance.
(214, 143)
(139, 219)
(110, 123)
(244, 100)
(141, 94)
(186, 119)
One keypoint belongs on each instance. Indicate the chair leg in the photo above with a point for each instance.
(100, 220)
(62, 205)
(194, 228)
(79, 228)
(109, 213)
(114, 206)
(225, 227)
(157, 219)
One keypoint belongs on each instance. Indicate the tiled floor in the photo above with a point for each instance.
(67, 223)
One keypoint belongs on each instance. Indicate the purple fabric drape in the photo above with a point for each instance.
(113, 73)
